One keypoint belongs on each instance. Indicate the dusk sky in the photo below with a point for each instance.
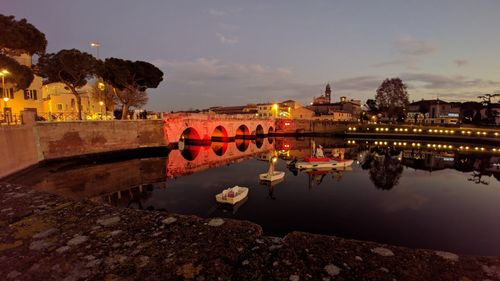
(233, 52)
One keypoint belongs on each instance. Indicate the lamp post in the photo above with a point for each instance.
(275, 108)
(4, 96)
(96, 45)
(101, 86)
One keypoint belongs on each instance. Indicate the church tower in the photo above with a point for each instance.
(328, 93)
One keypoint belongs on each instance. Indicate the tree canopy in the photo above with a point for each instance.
(71, 67)
(130, 80)
(20, 36)
(20, 76)
(392, 97)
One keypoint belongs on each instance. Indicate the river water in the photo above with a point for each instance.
(400, 193)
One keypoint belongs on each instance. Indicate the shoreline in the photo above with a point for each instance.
(47, 237)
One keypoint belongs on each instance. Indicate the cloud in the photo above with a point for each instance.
(409, 52)
(205, 82)
(229, 27)
(407, 45)
(360, 83)
(460, 62)
(216, 12)
(436, 81)
(227, 40)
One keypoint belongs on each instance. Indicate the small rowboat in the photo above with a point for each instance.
(274, 176)
(232, 195)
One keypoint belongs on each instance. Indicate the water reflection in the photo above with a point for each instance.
(270, 186)
(242, 144)
(389, 195)
(385, 171)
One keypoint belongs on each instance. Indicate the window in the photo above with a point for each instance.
(59, 107)
(30, 94)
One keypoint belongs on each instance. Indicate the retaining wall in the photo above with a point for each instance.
(25, 145)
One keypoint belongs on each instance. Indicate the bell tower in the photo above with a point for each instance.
(328, 93)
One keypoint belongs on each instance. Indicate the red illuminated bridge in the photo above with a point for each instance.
(195, 128)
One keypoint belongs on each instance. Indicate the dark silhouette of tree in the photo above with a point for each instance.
(20, 75)
(385, 171)
(130, 80)
(470, 112)
(19, 36)
(392, 98)
(70, 67)
(489, 112)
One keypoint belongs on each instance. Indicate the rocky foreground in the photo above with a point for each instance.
(46, 237)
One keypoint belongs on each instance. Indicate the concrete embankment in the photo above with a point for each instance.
(47, 237)
(26, 145)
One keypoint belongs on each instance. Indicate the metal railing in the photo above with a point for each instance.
(10, 119)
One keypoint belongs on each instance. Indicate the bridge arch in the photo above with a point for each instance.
(190, 152)
(220, 134)
(219, 148)
(270, 130)
(259, 141)
(259, 131)
(189, 136)
(242, 131)
(242, 144)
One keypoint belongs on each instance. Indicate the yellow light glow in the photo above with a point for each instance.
(385, 142)
(418, 144)
(6, 99)
(466, 148)
(428, 145)
(101, 103)
(275, 106)
(387, 129)
(452, 132)
(406, 130)
(419, 130)
(463, 132)
(376, 142)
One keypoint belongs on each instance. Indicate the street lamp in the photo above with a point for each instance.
(96, 45)
(100, 104)
(3, 73)
(275, 108)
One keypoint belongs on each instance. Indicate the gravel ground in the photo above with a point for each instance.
(47, 237)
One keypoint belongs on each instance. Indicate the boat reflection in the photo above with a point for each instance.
(271, 185)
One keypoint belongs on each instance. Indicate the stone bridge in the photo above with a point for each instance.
(196, 128)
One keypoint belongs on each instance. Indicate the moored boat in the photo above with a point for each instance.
(232, 195)
(274, 176)
(322, 162)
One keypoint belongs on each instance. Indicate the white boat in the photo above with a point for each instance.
(323, 162)
(271, 174)
(232, 195)
(274, 176)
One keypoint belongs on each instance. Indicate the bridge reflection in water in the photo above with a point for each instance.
(195, 158)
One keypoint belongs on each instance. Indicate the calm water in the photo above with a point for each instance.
(440, 199)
